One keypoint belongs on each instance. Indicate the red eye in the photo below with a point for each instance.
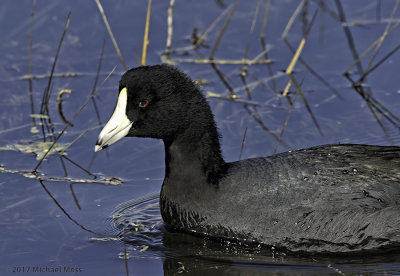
(143, 103)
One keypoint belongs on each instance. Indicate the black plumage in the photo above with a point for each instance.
(331, 198)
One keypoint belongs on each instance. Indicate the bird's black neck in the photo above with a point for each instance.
(194, 166)
(195, 155)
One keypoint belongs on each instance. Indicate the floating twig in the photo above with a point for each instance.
(223, 61)
(59, 104)
(29, 174)
(54, 75)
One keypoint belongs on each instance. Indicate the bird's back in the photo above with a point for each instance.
(333, 198)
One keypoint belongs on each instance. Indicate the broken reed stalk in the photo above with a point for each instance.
(64, 129)
(108, 75)
(94, 102)
(76, 164)
(378, 10)
(291, 107)
(30, 61)
(44, 110)
(50, 148)
(363, 54)
(65, 212)
(264, 44)
(350, 41)
(59, 104)
(209, 29)
(55, 75)
(167, 51)
(243, 72)
(95, 85)
(71, 188)
(221, 61)
(296, 55)
(125, 255)
(103, 15)
(256, 82)
(378, 120)
(243, 143)
(264, 24)
(221, 33)
(298, 89)
(256, 116)
(304, 63)
(47, 91)
(107, 153)
(373, 105)
(315, 74)
(77, 138)
(383, 36)
(292, 18)
(231, 98)
(28, 174)
(371, 101)
(199, 41)
(146, 35)
(63, 166)
(214, 49)
(253, 24)
(370, 70)
(379, 43)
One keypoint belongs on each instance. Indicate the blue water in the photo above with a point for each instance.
(97, 226)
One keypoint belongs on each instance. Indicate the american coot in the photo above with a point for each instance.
(331, 198)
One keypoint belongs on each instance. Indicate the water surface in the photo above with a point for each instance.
(110, 224)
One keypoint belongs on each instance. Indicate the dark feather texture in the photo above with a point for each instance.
(332, 198)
